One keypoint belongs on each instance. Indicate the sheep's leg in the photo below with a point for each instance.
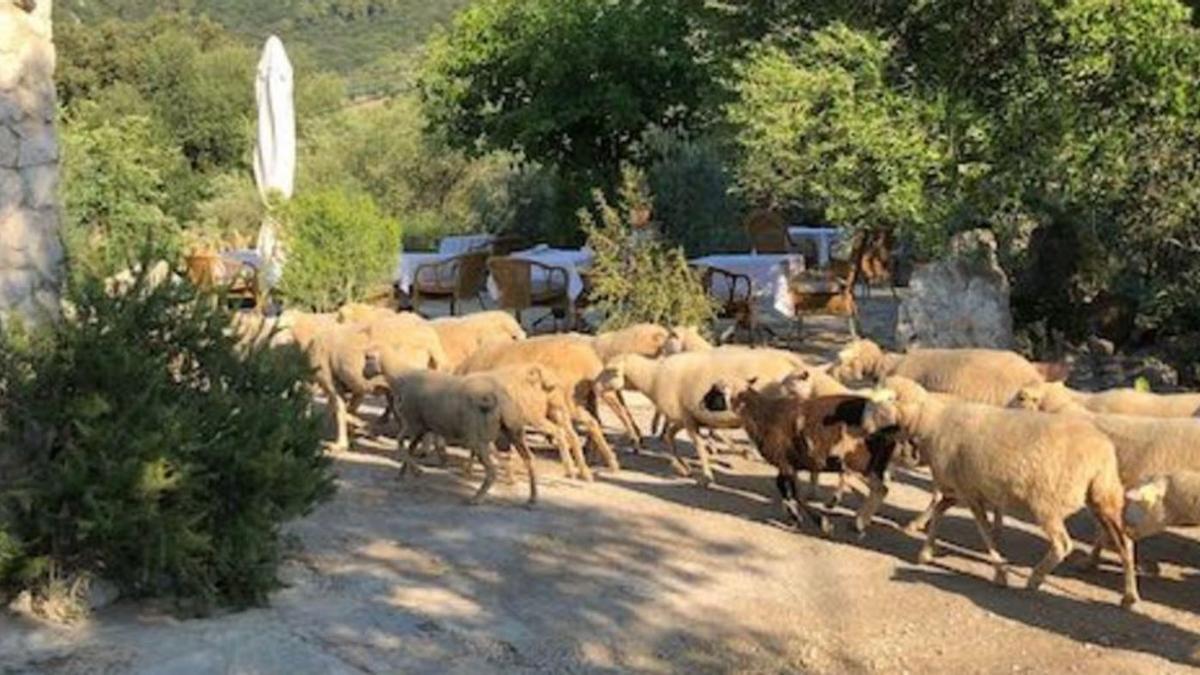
(926, 554)
(657, 426)
(997, 525)
(527, 458)
(677, 462)
(875, 497)
(988, 535)
(919, 523)
(1110, 521)
(794, 506)
(596, 435)
(701, 445)
(567, 434)
(489, 467)
(613, 400)
(339, 420)
(407, 463)
(843, 486)
(1060, 546)
(814, 483)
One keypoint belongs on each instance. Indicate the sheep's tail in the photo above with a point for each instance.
(487, 402)
(1105, 492)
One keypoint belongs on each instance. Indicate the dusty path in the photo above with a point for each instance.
(642, 572)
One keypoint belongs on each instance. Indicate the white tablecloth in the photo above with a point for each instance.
(409, 261)
(826, 238)
(769, 273)
(573, 260)
(466, 243)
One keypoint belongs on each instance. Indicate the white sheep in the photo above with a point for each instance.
(979, 375)
(468, 411)
(1057, 397)
(1047, 465)
(462, 335)
(1162, 501)
(543, 405)
(572, 360)
(677, 384)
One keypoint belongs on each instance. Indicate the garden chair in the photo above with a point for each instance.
(826, 293)
(767, 232)
(519, 290)
(734, 294)
(456, 279)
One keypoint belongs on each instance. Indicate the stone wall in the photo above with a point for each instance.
(30, 248)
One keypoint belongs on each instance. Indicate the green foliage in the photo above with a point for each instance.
(151, 453)
(636, 277)
(115, 174)
(567, 83)
(349, 37)
(339, 248)
(822, 128)
(694, 200)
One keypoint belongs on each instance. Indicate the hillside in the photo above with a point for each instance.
(367, 41)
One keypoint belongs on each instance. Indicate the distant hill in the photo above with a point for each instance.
(370, 42)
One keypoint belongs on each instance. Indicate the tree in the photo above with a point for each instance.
(566, 83)
(825, 129)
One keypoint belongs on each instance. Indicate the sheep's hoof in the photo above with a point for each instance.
(925, 556)
(705, 481)
(1129, 600)
(680, 468)
(860, 526)
(912, 529)
(832, 503)
(1034, 583)
(337, 448)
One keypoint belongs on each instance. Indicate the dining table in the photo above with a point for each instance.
(770, 275)
(575, 261)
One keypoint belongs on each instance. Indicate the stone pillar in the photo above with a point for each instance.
(31, 253)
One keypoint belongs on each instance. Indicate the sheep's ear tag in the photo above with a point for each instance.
(1141, 384)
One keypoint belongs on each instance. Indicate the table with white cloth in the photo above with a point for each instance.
(770, 274)
(825, 237)
(466, 243)
(408, 263)
(574, 260)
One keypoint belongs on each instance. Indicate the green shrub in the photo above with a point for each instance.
(694, 200)
(636, 277)
(150, 453)
(339, 248)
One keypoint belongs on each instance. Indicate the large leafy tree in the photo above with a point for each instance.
(823, 128)
(568, 83)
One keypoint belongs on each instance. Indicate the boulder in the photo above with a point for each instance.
(960, 301)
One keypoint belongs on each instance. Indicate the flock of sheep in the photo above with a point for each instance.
(993, 432)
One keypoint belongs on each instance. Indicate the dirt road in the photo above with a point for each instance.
(640, 572)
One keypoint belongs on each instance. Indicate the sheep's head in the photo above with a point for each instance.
(1029, 398)
(612, 378)
(878, 415)
(685, 339)
(799, 384)
(858, 360)
(1145, 510)
(903, 389)
(537, 377)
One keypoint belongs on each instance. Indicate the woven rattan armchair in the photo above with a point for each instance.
(514, 279)
(734, 294)
(456, 279)
(827, 293)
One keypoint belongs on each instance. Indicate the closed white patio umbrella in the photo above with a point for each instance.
(275, 148)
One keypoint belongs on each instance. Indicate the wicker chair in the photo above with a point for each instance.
(734, 294)
(767, 232)
(238, 282)
(456, 279)
(514, 282)
(828, 293)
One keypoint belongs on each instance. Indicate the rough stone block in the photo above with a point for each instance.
(36, 101)
(38, 146)
(11, 190)
(41, 185)
(9, 148)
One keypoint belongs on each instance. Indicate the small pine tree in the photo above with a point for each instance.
(636, 277)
